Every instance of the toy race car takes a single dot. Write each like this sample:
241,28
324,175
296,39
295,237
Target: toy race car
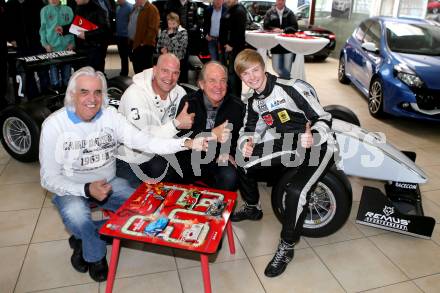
20,122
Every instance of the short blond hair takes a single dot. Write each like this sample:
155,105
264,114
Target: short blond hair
173,16
246,59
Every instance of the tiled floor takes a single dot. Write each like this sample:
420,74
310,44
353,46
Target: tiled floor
35,255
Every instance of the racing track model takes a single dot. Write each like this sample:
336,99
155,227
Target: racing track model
362,154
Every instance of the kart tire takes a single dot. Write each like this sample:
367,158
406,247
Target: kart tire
331,192
343,113
20,135
115,89
342,77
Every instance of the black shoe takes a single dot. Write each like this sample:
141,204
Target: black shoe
247,212
77,259
98,271
282,257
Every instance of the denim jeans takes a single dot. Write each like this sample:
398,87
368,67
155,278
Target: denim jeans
54,71
76,215
213,50
282,64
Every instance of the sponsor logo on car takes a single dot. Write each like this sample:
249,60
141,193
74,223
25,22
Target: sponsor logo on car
386,219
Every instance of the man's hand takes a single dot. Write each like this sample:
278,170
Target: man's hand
164,50
59,30
81,35
224,158
248,148
307,137
100,189
208,38
198,143
221,132
48,48
70,47
185,120
228,48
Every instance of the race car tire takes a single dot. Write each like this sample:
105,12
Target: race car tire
343,113
115,89
329,206
20,134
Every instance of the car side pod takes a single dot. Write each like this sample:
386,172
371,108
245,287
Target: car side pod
400,210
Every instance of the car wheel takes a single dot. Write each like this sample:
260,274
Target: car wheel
341,71
320,58
375,99
343,113
116,88
329,205
20,135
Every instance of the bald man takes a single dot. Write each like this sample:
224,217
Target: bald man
150,104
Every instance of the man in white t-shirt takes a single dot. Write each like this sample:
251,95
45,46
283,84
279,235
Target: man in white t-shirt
150,104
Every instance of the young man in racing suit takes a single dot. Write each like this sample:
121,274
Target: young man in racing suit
285,126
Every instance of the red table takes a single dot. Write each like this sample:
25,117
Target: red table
190,226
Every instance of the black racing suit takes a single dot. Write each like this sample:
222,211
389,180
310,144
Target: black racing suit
276,118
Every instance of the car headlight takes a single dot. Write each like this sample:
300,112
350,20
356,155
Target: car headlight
407,76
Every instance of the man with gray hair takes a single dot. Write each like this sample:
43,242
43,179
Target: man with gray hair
77,148
217,114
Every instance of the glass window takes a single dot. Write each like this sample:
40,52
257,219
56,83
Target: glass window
423,39
373,34
359,33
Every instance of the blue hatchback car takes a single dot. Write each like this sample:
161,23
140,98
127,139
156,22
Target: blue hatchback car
395,62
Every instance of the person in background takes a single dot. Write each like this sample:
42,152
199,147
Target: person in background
150,104
3,56
281,19
52,17
77,159
174,39
232,40
93,43
286,116
123,11
23,24
211,24
144,42
132,23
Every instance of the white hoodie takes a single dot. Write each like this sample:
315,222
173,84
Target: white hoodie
148,112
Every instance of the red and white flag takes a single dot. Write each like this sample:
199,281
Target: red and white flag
80,24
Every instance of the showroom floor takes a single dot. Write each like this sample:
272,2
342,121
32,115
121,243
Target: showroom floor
35,256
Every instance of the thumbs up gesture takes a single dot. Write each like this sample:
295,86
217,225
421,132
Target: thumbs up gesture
248,147
221,132
307,137
185,120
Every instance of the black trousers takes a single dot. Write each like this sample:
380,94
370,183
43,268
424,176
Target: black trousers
234,81
220,177
123,50
298,190
142,58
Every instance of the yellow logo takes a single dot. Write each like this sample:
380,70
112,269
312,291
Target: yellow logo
284,116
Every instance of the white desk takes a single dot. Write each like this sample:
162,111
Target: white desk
298,43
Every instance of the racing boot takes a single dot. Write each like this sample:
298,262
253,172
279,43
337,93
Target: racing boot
282,257
247,212
77,259
98,271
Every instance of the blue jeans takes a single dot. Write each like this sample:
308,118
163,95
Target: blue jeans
282,64
76,215
54,71
213,50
